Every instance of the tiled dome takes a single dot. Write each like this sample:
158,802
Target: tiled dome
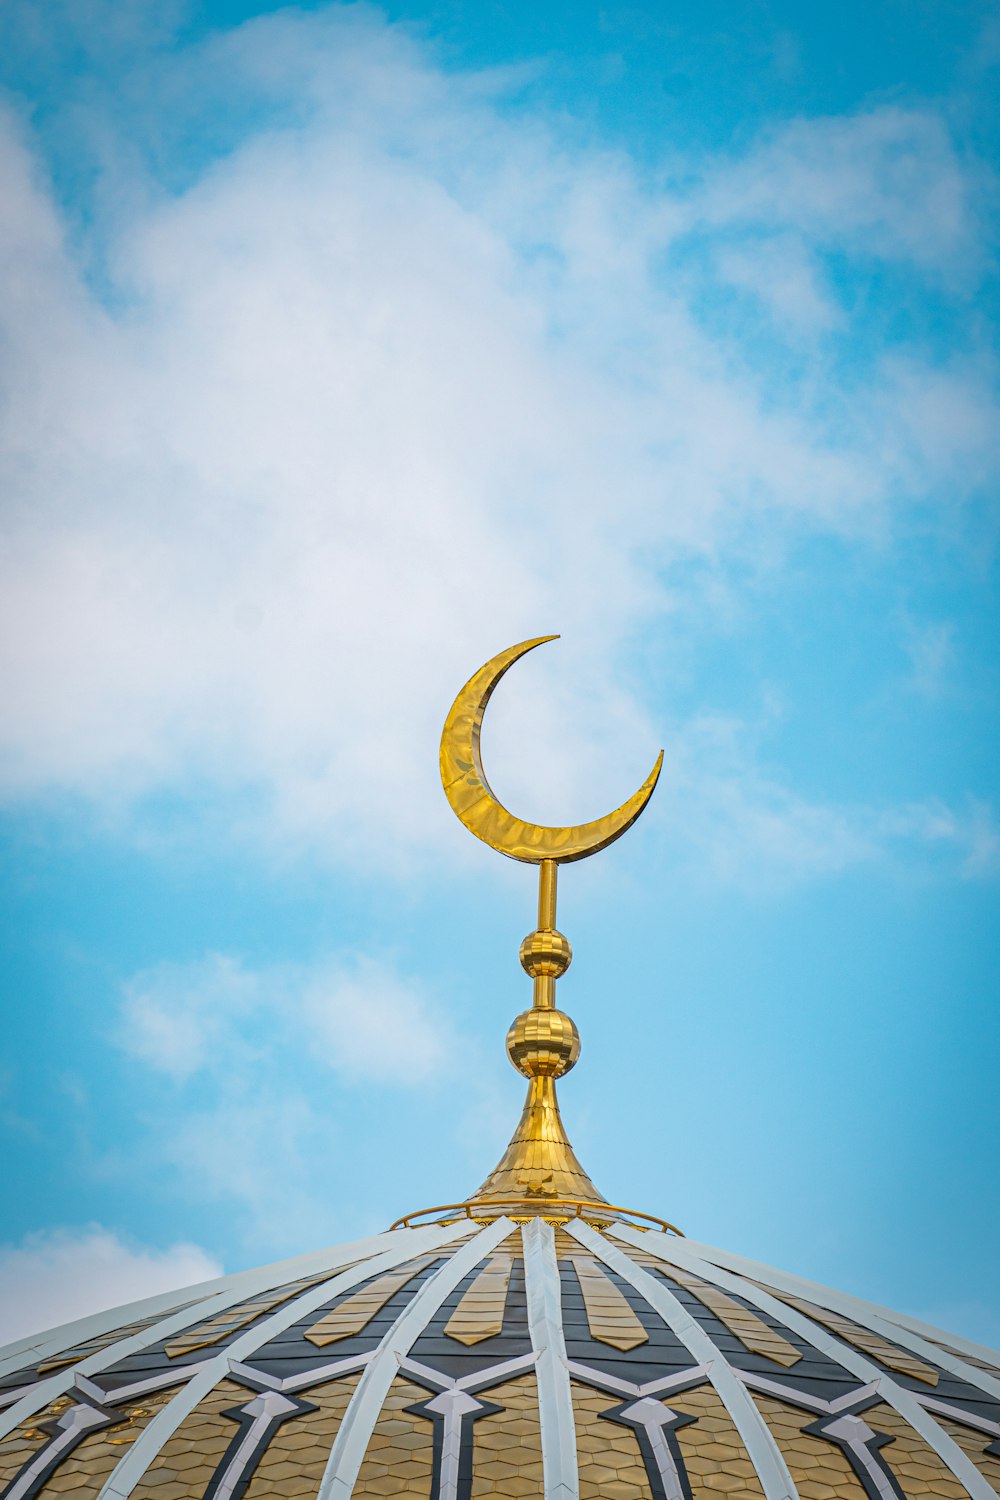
463,1360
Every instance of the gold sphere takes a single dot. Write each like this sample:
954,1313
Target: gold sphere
543,1043
545,954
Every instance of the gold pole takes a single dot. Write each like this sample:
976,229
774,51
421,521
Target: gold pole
544,987
548,872
543,1044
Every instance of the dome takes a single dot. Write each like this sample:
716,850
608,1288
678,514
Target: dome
532,1340
463,1359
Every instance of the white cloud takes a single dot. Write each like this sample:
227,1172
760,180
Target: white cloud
233,1058
886,181
396,381
369,1024
970,833
731,818
256,1149
58,1275
358,1017
777,270
930,646
175,1017
743,826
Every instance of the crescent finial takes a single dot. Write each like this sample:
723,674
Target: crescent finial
539,1173
474,802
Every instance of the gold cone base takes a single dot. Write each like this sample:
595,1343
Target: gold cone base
538,1176
539,1163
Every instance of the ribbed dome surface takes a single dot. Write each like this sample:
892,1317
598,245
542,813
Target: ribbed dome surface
463,1360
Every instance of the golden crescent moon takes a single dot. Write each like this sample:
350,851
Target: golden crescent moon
474,803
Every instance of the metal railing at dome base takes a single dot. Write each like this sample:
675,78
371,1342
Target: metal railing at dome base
522,1210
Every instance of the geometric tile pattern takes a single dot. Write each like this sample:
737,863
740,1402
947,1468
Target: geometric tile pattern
357,1310
21,1445
191,1456
205,1334
296,1456
85,1469
474,1408
610,1461
399,1457
508,1444
72,1354
715,1455
609,1316
820,1469
862,1338
100,1341
918,1468
479,1314
975,1444
970,1359
752,1332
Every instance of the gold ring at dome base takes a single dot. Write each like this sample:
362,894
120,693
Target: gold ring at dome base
522,1210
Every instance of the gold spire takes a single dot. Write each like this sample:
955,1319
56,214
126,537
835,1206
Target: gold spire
538,1174
543,1044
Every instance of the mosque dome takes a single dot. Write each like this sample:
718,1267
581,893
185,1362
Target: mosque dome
531,1340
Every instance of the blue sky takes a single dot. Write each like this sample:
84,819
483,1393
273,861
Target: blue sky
342,347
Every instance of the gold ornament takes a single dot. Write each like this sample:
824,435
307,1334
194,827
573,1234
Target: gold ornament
539,1172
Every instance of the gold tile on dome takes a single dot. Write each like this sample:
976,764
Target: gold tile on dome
819,1468
612,1320
507,1445
565,1245
203,1335
480,1313
356,1311
86,1467
184,1466
400,1455
974,1445
97,1343
609,1460
752,1332
294,1461
714,1454
922,1474
864,1339
21,1444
